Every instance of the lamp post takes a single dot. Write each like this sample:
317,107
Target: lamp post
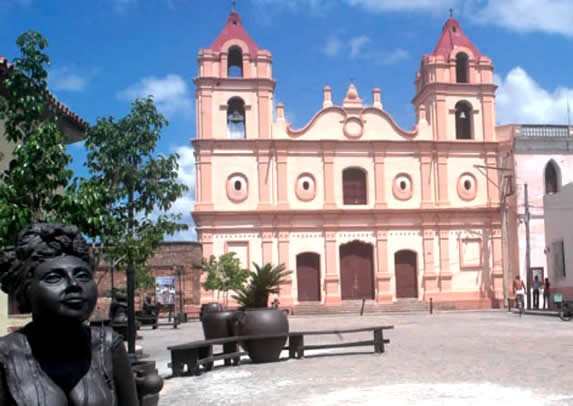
181,317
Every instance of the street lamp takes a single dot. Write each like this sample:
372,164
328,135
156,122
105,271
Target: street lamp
181,317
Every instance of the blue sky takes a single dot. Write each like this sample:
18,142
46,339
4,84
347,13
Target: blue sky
106,52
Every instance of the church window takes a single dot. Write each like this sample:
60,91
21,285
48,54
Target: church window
552,182
235,62
462,68
463,112
354,186
236,129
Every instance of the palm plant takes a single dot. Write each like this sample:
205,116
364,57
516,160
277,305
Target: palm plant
262,282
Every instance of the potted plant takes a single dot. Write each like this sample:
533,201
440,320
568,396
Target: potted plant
223,274
256,318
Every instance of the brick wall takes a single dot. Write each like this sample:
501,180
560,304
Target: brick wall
169,257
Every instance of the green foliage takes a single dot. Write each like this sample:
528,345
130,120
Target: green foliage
263,281
124,203
224,274
144,279
30,187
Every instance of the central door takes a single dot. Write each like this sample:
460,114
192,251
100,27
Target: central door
356,271
405,265
308,277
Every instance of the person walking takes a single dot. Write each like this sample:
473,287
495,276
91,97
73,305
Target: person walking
546,294
519,293
536,290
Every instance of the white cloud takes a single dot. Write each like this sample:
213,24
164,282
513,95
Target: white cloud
170,93
552,16
359,48
357,44
520,99
184,205
402,5
332,47
64,79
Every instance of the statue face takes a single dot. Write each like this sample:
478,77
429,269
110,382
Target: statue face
62,288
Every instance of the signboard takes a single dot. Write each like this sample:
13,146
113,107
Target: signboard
165,289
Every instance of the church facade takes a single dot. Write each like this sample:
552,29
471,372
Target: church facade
357,207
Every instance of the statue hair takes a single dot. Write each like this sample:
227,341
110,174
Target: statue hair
36,243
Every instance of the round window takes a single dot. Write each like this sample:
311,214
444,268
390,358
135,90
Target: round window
305,187
237,187
402,187
467,186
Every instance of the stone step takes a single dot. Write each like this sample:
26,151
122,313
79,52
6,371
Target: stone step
354,307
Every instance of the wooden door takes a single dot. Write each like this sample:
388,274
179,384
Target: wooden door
308,277
356,271
405,265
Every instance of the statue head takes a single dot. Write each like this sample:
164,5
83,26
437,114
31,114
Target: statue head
50,272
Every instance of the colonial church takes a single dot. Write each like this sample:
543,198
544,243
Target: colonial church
357,207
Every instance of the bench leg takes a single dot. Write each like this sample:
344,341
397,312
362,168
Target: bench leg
205,352
177,364
229,348
379,341
296,346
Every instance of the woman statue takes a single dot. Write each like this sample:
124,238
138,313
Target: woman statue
58,359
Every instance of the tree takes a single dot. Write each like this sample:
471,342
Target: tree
124,204
31,186
263,281
224,274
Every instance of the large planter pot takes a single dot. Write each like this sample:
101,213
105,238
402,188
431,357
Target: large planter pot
209,307
148,382
262,321
217,324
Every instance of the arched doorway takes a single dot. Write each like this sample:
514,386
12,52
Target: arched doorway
308,277
356,271
406,272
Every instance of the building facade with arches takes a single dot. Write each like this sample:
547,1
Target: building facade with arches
541,158
357,207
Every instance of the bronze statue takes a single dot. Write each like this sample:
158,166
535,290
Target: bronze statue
58,359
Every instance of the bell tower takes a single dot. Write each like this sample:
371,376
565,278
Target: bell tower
455,85
234,87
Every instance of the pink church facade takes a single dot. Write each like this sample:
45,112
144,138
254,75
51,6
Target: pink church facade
357,207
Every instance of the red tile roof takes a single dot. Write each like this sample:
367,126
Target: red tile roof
452,37
61,108
234,30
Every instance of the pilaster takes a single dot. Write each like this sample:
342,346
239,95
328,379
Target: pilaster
379,181
382,275
332,277
328,163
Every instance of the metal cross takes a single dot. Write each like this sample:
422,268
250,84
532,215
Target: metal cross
451,12
234,5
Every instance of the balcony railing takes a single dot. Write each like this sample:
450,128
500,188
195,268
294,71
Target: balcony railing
544,131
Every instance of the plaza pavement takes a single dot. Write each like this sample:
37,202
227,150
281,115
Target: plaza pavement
447,358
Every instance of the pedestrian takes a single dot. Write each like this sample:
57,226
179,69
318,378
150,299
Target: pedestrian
546,294
536,289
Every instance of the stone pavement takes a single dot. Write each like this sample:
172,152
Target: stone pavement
447,358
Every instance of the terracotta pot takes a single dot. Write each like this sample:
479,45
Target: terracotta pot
262,321
209,307
218,324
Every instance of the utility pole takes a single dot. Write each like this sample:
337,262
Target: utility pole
526,218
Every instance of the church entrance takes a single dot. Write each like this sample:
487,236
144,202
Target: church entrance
405,265
356,271
308,277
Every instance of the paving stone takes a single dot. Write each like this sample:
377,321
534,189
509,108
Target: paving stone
483,357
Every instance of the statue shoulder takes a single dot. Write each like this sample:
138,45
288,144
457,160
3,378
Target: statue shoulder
106,336
12,345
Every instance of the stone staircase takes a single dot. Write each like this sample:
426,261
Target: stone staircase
354,306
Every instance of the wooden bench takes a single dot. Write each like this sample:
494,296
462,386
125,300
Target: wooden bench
187,359
296,345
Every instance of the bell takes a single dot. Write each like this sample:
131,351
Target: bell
235,117
463,115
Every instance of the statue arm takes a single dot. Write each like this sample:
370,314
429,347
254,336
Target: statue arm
5,396
123,377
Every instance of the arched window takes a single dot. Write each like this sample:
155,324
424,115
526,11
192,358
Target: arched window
236,129
354,186
463,111
462,68
552,178
235,63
